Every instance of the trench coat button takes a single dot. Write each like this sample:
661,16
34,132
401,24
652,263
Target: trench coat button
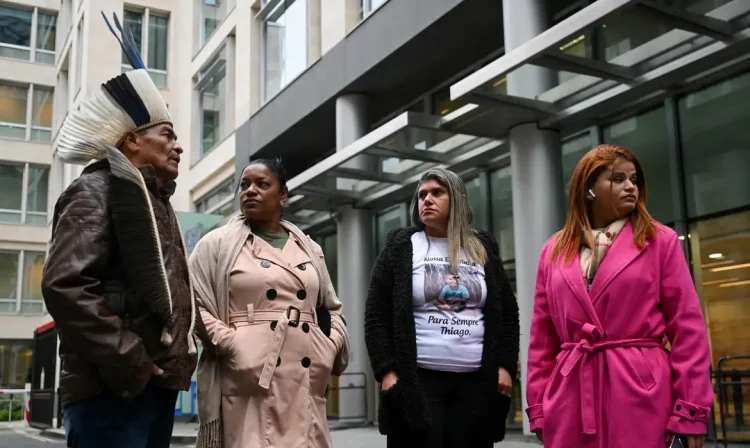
265,264
302,294
302,267
305,362
273,325
278,361
305,327
271,294
692,413
679,407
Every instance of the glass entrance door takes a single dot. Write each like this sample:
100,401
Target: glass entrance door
721,267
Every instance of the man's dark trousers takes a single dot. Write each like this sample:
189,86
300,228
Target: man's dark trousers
106,421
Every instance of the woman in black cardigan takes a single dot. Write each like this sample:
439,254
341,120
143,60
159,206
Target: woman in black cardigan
441,325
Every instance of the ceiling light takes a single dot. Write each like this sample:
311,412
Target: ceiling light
727,285
716,263
732,267
716,256
718,282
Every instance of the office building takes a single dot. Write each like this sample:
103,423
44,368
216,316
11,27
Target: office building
510,95
27,85
361,96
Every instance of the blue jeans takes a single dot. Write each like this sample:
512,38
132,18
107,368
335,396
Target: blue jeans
107,421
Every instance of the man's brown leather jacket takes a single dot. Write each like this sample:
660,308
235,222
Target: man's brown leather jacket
115,278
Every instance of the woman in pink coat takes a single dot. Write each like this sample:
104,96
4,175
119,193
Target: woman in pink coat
600,374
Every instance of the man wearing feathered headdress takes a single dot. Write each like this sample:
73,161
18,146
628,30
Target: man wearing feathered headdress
116,279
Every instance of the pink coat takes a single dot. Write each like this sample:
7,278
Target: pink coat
599,375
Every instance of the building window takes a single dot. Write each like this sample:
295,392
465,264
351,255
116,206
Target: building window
501,191
219,201
16,362
79,58
390,219
720,250
285,45
213,12
646,136
25,189
23,119
21,277
32,301
715,146
367,7
213,110
46,33
151,36
573,150
19,39
476,193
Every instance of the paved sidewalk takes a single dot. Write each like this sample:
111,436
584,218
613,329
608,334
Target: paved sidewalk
369,437
343,437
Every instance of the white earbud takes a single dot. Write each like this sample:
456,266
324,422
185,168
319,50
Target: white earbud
591,194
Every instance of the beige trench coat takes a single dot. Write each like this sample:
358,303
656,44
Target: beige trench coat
275,361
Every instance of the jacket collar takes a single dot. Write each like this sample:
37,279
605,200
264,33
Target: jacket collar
149,176
121,167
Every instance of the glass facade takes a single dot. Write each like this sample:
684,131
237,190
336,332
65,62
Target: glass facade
476,192
711,150
387,220
646,136
715,142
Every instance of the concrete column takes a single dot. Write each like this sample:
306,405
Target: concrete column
536,164
355,257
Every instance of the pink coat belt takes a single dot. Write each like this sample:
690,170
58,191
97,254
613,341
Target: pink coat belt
284,319
583,352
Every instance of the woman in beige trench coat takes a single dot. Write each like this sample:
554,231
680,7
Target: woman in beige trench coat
272,326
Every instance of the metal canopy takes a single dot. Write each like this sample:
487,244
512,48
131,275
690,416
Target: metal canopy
472,137
697,44
395,154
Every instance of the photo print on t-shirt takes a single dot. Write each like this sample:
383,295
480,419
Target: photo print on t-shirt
446,291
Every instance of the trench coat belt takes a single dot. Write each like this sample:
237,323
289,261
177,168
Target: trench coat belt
584,353
284,319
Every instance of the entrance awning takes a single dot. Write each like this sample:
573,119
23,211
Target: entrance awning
386,164
697,46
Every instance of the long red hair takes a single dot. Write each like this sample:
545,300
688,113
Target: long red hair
569,240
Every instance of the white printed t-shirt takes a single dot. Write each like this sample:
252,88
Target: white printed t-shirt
448,312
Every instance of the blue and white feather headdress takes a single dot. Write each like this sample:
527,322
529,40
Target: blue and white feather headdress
126,103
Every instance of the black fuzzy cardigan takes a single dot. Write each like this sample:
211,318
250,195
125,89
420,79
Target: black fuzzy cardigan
390,336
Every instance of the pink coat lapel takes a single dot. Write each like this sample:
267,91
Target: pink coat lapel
574,278
623,252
